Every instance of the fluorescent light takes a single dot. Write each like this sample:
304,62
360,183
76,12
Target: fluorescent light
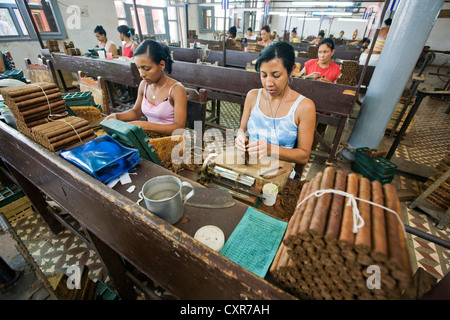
329,13
321,3
352,20
297,15
283,14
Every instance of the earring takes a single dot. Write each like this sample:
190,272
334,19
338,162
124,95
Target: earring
290,80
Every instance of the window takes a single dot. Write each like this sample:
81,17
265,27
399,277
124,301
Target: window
207,19
157,19
15,23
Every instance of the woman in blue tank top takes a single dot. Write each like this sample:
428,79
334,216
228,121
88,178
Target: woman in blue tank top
279,121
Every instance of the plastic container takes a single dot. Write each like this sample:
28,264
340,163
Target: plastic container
211,236
9,194
270,192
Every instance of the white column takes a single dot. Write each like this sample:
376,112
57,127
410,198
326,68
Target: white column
410,28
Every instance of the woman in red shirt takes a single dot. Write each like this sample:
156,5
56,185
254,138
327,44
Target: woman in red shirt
129,47
323,68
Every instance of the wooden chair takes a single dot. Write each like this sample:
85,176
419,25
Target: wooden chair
98,89
40,72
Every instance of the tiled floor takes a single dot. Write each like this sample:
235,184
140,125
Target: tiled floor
426,143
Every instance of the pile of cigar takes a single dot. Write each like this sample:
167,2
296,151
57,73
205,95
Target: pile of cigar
349,69
40,114
321,257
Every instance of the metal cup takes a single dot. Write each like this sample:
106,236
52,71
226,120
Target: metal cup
163,196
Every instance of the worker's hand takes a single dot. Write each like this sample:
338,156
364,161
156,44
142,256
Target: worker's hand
313,75
240,140
323,79
260,148
111,116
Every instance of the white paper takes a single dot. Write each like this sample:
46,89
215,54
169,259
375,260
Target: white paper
131,189
113,182
125,178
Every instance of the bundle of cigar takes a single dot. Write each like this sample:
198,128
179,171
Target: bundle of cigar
322,258
40,114
349,69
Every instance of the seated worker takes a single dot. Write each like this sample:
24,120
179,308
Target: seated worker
362,44
104,43
129,46
280,122
322,68
232,44
161,99
249,34
319,38
265,36
375,56
294,38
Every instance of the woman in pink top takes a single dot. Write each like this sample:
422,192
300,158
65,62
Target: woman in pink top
161,99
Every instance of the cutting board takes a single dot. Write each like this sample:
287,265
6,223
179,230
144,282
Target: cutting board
231,159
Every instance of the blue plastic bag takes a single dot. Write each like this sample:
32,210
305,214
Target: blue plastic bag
103,158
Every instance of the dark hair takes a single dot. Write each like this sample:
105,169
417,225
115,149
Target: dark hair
267,28
126,31
156,51
365,40
322,33
328,41
250,29
388,21
282,50
232,31
100,30
294,30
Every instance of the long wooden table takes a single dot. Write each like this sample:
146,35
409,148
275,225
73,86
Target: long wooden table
240,59
116,227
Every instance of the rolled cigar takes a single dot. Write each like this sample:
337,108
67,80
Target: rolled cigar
296,216
57,124
76,138
35,123
395,260
45,113
68,134
35,95
306,219
346,235
67,127
335,216
44,107
40,100
379,251
400,257
363,239
274,265
320,214
294,238
27,89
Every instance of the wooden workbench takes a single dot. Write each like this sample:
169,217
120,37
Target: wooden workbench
116,227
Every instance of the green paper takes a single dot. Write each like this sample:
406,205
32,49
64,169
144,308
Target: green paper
255,241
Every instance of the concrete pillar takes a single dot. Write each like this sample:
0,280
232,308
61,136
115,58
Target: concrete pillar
408,33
